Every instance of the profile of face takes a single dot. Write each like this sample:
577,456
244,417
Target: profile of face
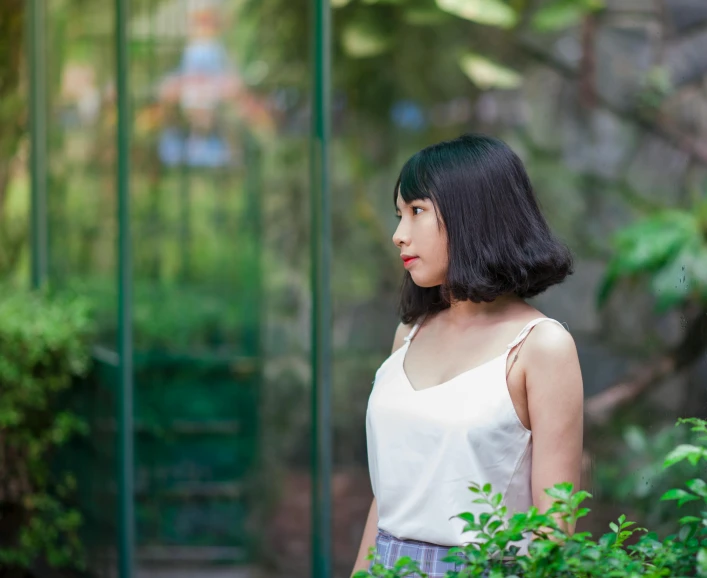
422,240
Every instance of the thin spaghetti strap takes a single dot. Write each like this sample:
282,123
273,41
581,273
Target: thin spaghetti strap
414,330
527,329
521,338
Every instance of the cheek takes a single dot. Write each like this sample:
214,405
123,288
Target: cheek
438,244
434,257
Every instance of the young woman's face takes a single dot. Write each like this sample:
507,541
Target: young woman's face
422,241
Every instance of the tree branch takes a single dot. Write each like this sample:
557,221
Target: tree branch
599,408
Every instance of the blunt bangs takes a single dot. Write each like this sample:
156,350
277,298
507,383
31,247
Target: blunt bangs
499,243
413,183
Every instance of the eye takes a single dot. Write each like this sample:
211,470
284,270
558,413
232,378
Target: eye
416,209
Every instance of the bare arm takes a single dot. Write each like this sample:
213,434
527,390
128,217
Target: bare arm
371,529
368,540
555,402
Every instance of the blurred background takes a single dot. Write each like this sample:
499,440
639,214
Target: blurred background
604,100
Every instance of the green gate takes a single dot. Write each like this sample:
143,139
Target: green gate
172,403
122,157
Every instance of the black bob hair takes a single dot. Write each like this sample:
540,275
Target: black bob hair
499,243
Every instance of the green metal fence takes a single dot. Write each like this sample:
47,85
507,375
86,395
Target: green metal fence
169,249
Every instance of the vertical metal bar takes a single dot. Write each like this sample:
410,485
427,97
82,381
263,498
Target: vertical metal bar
185,210
321,306
37,58
253,227
125,333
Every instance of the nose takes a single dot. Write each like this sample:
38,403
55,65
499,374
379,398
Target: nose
402,234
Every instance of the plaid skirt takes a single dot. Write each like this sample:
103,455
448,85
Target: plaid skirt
390,549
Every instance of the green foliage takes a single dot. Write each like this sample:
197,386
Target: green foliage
669,248
486,74
13,126
632,473
43,347
388,50
560,14
656,87
489,12
365,36
626,551
171,317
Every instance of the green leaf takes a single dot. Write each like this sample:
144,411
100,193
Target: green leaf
582,512
562,491
493,526
402,562
543,547
684,452
681,496
561,14
487,74
467,517
579,497
698,487
670,285
698,425
426,16
364,39
650,243
702,562
692,272
489,12
635,438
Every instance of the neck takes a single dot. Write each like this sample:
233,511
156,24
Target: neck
463,311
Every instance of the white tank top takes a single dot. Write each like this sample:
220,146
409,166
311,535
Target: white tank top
425,446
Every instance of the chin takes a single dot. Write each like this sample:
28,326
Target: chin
424,281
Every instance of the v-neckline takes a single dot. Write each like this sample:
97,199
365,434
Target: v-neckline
410,386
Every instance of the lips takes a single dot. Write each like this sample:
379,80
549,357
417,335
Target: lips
408,260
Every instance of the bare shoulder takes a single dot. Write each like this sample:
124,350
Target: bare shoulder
550,355
551,341
400,334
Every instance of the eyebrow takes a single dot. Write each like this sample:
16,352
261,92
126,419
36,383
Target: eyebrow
405,203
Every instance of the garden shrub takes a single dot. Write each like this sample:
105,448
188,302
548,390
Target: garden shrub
193,318
632,474
626,551
43,349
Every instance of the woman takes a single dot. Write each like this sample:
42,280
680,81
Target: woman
480,386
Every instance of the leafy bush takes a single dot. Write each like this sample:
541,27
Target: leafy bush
632,473
670,248
624,552
172,317
43,347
